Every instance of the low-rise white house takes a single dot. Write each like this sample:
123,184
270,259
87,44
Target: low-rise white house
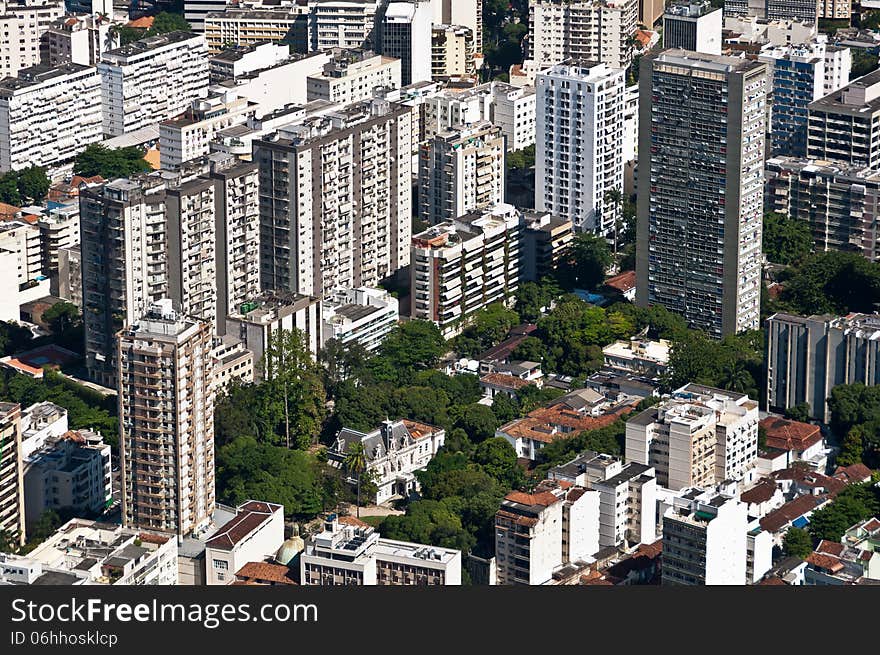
254,535
393,453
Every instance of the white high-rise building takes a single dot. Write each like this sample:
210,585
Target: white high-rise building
537,533
452,51
705,540
343,24
166,421
700,436
588,30
352,76
151,80
250,27
403,33
336,198
23,24
48,116
579,143
460,266
80,40
693,25
468,13
195,11
461,170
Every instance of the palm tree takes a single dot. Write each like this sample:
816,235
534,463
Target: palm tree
356,462
614,199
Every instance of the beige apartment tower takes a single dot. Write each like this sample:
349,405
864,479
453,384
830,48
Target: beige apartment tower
166,422
11,481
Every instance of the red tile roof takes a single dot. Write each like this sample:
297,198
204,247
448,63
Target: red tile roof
811,479
760,493
352,520
779,518
854,473
250,516
830,548
420,430
544,498
153,538
144,22
784,434
827,562
772,581
622,282
265,572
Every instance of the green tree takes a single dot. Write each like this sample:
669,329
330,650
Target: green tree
33,183
413,345
487,327
356,464
248,469
14,338
479,422
797,543
8,541
584,262
296,380
64,320
169,22
110,163
855,503
833,283
786,240
498,458
852,449
9,192
799,412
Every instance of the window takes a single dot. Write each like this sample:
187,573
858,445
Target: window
223,565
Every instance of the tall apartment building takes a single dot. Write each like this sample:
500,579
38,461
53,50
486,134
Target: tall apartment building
336,199
838,65
579,143
627,496
48,116
123,245
467,14
536,534
21,240
514,110
350,552
845,125
69,471
166,422
23,24
190,236
11,474
189,136
80,40
704,540
700,436
807,356
588,30
352,76
151,80
452,51
403,32
59,230
700,188
254,322
840,202
343,24
797,78
459,266
461,170
694,26
249,27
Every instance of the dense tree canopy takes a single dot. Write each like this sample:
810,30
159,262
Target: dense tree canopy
584,262
855,419
855,503
786,240
833,283
797,543
110,163
29,185
487,328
